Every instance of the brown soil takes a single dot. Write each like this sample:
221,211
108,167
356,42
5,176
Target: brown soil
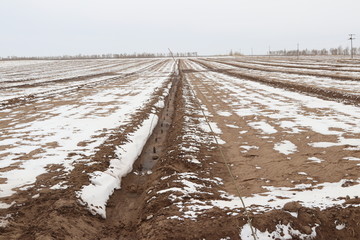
145,208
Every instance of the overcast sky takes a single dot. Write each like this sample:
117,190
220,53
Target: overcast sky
58,27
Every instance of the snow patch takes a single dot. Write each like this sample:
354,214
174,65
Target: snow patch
352,158
224,114
323,195
282,232
205,127
263,126
340,226
285,147
315,159
232,126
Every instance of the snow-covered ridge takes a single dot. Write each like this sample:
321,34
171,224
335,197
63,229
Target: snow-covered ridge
97,193
103,184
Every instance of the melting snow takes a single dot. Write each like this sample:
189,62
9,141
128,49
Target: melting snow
315,159
282,232
340,226
323,195
205,127
285,147
232,126
263,126
224,114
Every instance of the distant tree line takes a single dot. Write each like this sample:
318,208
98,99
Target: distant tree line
235,53
315,52
104,56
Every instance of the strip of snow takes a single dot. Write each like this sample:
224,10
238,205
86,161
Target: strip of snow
263,126
192,159
5,205
96,194
247,148
352,158
315,159
341,141
224,113
205,127
323,195
232,126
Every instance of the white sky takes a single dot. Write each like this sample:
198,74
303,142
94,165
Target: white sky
57,27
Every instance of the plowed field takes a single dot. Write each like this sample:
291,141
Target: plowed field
200,148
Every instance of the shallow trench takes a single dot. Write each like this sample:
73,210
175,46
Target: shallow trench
125,205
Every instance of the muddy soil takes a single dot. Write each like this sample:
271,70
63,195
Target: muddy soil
157,200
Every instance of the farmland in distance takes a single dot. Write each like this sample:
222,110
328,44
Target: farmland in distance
160,149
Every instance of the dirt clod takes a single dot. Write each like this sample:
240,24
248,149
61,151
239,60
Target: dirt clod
292,206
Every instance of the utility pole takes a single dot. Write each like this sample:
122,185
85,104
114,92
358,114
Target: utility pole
269,52
351,40
172,55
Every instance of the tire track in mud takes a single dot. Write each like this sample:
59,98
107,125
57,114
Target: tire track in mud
312,91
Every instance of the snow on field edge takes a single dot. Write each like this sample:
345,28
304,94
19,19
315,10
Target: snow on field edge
96,194
281,232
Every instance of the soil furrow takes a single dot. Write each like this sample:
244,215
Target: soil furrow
306,67
322,93
34,97
342,77
125,206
